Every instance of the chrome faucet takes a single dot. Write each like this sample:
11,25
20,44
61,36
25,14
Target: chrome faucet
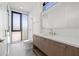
52,32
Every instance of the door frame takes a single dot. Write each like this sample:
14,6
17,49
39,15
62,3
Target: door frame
20,23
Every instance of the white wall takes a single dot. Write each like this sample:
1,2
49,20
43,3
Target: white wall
3,27
3,19
36,14
34,19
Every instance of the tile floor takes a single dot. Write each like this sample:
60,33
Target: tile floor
20,49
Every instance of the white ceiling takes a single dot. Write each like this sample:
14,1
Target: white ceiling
22,6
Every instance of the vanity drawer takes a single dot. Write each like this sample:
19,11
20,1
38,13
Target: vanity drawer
50,47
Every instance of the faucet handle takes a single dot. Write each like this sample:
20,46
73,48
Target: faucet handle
54,33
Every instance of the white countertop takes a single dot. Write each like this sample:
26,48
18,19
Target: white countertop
62,39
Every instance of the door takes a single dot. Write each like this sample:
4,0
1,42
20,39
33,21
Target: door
16,26
24,27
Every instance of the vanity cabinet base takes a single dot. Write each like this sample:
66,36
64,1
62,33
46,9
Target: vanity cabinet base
46,47
37,51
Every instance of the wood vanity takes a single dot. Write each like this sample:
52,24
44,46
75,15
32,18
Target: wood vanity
46,47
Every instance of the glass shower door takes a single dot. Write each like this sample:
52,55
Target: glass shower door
24,27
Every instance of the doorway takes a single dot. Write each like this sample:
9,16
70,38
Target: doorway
19,26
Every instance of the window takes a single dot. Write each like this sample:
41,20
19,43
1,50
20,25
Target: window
47,5
16,21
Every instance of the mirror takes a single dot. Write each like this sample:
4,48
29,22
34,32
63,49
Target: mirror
63,18
63,15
